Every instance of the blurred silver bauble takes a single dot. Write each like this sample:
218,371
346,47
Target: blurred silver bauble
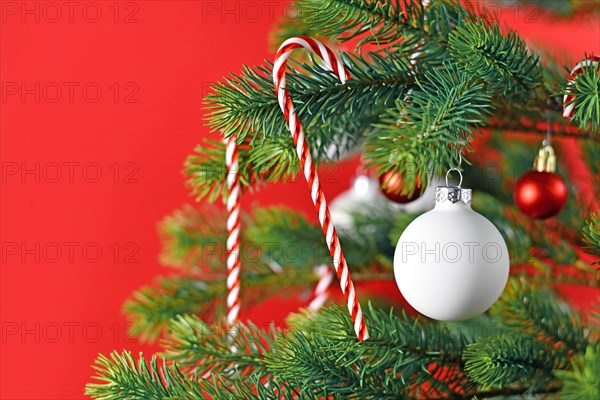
360,198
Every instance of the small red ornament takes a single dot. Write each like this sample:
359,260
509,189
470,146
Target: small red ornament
541,193
392,185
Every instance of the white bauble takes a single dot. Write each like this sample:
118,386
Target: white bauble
361,197
451,263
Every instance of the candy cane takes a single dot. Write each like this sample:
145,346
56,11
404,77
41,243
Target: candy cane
233,230
321,291
568,104
330,62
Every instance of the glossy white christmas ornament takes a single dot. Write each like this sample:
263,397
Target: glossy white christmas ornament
451,263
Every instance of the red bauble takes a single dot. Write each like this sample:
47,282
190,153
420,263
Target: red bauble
540,194
392,184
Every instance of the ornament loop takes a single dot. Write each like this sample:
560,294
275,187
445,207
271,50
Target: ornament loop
459,174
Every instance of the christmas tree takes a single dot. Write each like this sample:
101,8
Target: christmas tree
431,84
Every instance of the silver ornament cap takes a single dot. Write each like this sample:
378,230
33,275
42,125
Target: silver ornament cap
452,194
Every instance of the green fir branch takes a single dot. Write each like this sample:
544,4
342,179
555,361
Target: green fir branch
548,104
407,26
373,21
272,238
150,308
320,357
394,363
122,378
264,161
319,369
245,105
249,388
508,360
582,381
537,312
427,132
502,61
193,238
288,238
331,113
202,349
591,235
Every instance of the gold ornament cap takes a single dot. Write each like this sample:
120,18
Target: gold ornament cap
545,160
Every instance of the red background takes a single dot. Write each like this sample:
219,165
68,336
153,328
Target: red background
153,62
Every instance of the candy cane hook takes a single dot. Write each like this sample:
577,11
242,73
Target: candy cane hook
331,62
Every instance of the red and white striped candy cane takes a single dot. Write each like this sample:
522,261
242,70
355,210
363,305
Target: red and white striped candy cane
233,230
321,292
569,109
330,62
